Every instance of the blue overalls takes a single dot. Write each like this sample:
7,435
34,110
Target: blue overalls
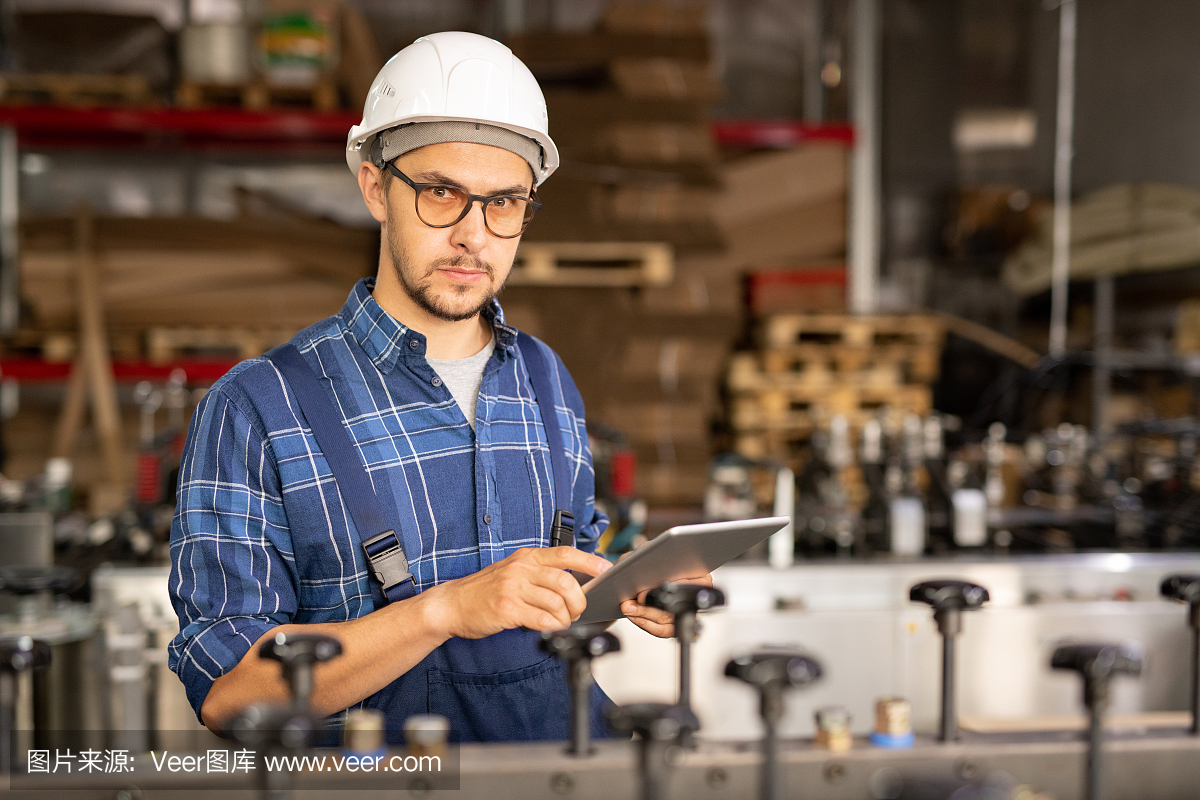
500,688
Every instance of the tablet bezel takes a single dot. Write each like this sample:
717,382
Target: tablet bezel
679,552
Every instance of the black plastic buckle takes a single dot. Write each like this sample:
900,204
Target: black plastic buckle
390,565
562,532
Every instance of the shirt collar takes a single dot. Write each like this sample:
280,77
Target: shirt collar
385,340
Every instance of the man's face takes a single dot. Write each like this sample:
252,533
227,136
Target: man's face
452,273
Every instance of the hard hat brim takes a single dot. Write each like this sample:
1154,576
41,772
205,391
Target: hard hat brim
358,145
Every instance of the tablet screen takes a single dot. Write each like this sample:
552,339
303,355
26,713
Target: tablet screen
686,551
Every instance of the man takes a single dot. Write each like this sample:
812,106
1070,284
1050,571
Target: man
436,396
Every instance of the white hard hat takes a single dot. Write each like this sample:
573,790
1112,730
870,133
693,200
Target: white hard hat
455,77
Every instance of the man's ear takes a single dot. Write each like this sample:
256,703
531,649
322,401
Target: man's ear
370,183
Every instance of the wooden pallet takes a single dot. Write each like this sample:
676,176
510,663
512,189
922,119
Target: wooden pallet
789,330
75,90
608,264
323,96
799,410
821,366
784,447
164,345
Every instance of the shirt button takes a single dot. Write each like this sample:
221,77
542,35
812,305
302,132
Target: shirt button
487,519
414,344
436,381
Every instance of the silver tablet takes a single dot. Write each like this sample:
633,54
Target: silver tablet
681,552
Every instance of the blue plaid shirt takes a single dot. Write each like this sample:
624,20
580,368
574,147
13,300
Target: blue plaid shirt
261,536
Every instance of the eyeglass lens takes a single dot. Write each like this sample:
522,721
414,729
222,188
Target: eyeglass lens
444,205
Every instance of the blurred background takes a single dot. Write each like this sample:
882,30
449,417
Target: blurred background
826,258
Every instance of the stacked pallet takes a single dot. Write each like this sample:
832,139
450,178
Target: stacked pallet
781,216
180,287
74,90
665,406
812,367
628,106
653,378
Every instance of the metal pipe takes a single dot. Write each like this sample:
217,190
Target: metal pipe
770,768
1195,620
1102,343
686,632
1093,775
8,719
9,236
865,183
1063,138
301,677
948,732
653,767
772,712
579,679
814,45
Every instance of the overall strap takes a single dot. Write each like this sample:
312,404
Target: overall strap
386,560
543,392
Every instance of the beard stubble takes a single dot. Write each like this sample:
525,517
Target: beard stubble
419,288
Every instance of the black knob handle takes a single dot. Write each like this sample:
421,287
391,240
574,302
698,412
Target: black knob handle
24,579
1182,587
949,594
300,649
299,653
682,598
781,669
654,722
580,641
1098,662
263,726
23,653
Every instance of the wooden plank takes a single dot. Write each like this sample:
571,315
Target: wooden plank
666,78
75,89
605,264
561,52
360,59
164,345
782,446
787,330
993,340
762,185
257,95
800,409
94,353
70,419
1187,327
664,422
827,365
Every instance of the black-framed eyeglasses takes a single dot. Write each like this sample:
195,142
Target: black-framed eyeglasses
440,205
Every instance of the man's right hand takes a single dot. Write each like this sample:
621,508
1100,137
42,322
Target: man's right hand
530,588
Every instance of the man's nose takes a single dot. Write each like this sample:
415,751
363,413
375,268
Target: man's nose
471,232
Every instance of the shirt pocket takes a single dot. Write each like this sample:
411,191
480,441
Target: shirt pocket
523,495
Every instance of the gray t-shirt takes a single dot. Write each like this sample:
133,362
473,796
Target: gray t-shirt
463,377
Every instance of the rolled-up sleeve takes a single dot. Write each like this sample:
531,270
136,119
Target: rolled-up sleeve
232,566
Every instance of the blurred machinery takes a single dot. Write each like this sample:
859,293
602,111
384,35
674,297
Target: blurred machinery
1154,760
911,485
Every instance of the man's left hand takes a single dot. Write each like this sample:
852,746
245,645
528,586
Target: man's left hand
652,620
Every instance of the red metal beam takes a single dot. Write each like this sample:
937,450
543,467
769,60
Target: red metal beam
53,126
35,370
778,132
